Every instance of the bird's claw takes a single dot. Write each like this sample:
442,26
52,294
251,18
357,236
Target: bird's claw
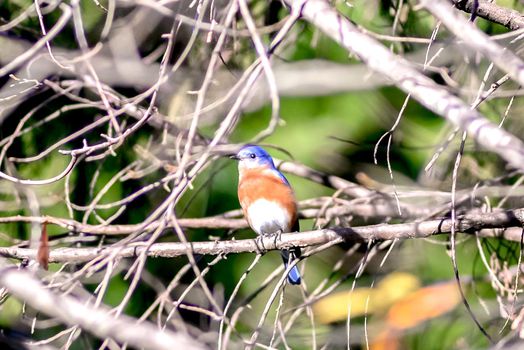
277,237
259,243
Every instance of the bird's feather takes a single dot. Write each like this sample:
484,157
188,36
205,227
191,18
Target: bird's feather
255,186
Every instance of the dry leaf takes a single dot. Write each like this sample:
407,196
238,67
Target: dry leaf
422,305
42,255
335,307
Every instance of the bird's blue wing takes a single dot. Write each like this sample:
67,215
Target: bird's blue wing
281,176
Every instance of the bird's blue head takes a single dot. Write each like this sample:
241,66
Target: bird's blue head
251,156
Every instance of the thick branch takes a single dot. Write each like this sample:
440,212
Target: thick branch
490,11
97,321
405,76
468,223
476,39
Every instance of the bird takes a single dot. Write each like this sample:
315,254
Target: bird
267,200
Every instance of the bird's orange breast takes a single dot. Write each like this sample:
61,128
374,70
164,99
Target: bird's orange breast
257,184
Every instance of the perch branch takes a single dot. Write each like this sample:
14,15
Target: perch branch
469,223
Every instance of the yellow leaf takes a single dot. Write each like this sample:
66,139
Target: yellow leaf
363,301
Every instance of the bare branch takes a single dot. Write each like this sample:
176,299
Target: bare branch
98,321
56,178
492,12
468,223
406,77
477,40
66,14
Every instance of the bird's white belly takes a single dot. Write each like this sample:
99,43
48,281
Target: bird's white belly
266,217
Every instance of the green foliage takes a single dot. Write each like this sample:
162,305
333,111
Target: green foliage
10,310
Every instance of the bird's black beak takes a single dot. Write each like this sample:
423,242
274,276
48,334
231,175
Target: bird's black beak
234,156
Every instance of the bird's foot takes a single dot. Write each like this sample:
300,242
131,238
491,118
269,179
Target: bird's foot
259,243
276,236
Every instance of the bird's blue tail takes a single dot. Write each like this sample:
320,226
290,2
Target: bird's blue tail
293,276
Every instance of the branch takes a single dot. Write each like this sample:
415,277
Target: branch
327,180
477,40
54,179
469,223
27,55
406,77
310,209
302,78
76,226
490,11
227,220
97,321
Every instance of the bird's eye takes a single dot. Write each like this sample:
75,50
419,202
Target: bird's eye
252,155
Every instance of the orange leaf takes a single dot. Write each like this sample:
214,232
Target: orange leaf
422,305
386,340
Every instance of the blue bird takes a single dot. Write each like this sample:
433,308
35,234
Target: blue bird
267,199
